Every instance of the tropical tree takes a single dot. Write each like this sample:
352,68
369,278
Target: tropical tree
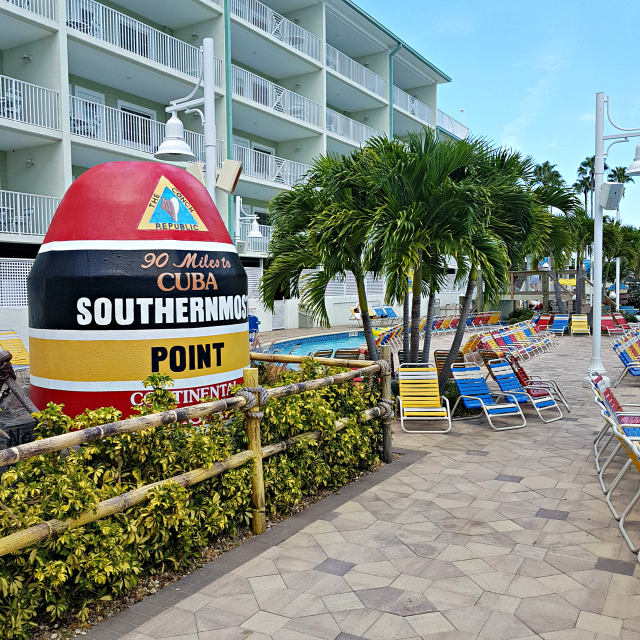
431,200
546,174
587,170
581,225
583,186
323,225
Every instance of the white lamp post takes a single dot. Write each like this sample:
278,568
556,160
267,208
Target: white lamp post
174,148
254,232
596,365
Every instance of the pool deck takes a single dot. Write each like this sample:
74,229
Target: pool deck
287,334
471,534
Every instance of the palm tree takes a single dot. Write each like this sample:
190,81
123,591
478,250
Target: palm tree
582,231
322,225
587,170
583,186
547,174
431,198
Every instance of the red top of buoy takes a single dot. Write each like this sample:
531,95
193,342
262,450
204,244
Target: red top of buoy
137,201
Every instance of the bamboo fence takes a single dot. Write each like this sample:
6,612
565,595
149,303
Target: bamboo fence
44,530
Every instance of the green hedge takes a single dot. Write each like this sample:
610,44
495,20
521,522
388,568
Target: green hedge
105,559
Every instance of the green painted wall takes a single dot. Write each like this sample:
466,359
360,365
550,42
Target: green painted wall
250,136
76,171
136,16
3,170
111,96
1,64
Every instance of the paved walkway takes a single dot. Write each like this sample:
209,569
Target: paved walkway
473,534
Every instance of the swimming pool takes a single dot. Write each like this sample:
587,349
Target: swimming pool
311,344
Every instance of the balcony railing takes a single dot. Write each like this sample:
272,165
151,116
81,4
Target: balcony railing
252,87
44,8
356,72
413,106
259,245
267,20
264,166
26,214
450,124
350,129
106,124
28,103
115,28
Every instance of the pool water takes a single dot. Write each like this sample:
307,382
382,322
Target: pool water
306,346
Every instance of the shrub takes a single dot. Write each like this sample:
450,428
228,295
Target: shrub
70,571
520,314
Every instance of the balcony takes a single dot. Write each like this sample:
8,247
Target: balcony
28,115
272,100
413,106
354,71
451,126
268,21
138,58
25,214
28,103
356,132
100,123
264,166
256,245
42,8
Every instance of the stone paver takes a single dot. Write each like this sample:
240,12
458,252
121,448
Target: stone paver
472,534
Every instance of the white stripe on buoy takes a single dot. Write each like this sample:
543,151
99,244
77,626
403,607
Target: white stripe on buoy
131,245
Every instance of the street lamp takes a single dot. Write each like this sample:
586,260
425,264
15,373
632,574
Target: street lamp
254,232
596,365
174,147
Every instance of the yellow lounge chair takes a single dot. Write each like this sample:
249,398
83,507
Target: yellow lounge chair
9,341
579,325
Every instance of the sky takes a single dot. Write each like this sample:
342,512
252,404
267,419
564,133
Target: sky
527,73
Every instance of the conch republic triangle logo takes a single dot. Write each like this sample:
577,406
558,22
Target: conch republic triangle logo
168,209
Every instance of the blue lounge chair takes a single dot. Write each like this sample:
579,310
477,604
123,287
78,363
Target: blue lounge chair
504,375
391,314
475,394
380,312
560,324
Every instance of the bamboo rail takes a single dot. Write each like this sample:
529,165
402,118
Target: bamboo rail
331,362
44,530
130,425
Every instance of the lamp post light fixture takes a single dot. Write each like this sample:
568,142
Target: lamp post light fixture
596,366
254,232
174,147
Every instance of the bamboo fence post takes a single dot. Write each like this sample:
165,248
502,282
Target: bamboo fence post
259,522
385,354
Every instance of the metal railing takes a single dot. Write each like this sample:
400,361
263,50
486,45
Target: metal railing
28,103
256,89
258,245
265,166
44,8
348,128
450,124
115,126
25,213
267,20
413,106
356,72
115,28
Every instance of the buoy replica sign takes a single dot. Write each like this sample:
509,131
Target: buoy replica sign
137,275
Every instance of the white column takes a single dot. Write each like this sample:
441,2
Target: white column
596,365
210,155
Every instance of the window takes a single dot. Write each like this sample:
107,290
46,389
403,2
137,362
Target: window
136,127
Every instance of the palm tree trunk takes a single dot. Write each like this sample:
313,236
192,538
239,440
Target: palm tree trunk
426,347
415,312
556,287
366,320
406,311
579,283
457,340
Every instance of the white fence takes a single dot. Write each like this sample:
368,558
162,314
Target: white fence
13,282
356,72
348,128
25,213
256,89
412,105
28,103
450,124
267,20
44,8
264,166
260,245
119,30
196,142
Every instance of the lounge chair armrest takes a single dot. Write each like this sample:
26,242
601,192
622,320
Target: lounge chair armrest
473,398
506,395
